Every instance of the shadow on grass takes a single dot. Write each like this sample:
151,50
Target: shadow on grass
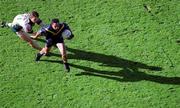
129,73
108,60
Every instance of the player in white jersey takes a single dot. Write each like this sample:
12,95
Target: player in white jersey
22,26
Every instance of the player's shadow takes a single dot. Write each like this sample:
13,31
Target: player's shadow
108,60
130,70
127,75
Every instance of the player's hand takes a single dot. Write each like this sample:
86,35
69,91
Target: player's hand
33,37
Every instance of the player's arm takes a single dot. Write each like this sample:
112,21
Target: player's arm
40,22
41,32
27,28
36,35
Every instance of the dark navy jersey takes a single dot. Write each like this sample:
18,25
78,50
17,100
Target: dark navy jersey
49,32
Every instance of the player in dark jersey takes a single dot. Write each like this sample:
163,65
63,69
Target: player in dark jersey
55,34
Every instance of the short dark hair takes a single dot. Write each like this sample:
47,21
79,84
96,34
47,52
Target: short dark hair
55,20
35,14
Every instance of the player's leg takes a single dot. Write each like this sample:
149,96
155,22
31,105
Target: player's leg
45,50
4,24
41,53
10,25
24,36
62,50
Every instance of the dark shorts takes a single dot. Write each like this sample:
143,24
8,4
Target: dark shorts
50,42
16,28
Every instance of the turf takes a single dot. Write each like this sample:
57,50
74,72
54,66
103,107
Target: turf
125,54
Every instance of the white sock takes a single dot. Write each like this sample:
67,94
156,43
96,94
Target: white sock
9,24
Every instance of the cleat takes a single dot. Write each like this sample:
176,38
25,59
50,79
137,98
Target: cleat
178,41
3,24
38,56
66,67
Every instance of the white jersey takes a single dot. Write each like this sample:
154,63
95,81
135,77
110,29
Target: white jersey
24,21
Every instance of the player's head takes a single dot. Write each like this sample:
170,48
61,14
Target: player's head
34,16
55,24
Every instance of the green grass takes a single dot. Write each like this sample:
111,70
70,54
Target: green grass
122,56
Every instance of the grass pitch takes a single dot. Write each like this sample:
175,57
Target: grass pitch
125,54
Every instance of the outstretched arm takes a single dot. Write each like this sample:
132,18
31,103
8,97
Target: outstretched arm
36,35
40,22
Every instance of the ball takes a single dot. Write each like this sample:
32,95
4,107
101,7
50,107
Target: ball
66,34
